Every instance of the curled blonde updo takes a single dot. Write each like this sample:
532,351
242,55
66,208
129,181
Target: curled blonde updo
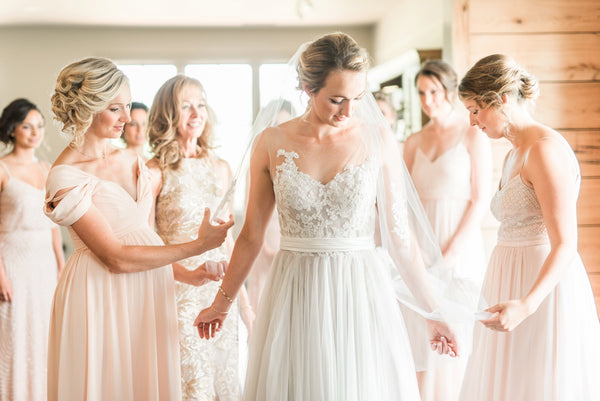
163,120
84,89
332,52
494,76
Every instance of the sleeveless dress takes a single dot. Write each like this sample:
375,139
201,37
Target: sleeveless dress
328,327
112,336
444,187
209,368
554,354
30,265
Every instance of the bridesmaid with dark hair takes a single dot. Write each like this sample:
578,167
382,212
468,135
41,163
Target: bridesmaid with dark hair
31,256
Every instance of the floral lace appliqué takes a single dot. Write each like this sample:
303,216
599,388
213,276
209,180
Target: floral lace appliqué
342,208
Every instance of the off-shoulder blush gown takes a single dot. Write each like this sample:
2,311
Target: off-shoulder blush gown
112,336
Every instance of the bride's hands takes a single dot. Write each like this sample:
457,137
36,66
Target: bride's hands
209,322
443,340
211,236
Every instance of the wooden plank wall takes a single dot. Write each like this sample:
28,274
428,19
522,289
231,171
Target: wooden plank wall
559,42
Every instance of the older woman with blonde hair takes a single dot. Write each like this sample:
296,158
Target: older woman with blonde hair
113,330
188,177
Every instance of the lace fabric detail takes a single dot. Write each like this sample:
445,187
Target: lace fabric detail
518,210
208,368
342,208
400,213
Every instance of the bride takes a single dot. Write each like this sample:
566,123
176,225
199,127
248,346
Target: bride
328,325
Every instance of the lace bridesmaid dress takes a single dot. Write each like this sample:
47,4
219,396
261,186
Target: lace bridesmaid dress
209,368
30,265
554,354
112,336
328,327
444,187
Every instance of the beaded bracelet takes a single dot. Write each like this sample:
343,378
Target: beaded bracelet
225,295
216,311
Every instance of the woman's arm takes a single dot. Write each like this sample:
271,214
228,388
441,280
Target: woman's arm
246,311
95,232
480,151
261,201
156,185
409,149
57,245
556,190
6,291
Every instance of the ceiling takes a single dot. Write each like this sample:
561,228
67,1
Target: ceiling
193,13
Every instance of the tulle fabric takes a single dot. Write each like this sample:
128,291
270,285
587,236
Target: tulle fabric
444,187
328,326
554,354
331,314
422,282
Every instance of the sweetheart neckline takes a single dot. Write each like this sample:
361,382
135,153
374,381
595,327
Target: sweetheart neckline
349,167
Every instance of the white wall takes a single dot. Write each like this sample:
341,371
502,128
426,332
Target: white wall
411,24
31,57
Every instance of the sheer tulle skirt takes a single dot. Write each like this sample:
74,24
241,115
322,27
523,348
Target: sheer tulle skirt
554,354
329,328
442,376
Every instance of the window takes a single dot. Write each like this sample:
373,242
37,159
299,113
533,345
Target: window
272,77
228,90
145,79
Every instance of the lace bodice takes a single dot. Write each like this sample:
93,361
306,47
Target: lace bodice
342,208
516,207
184,195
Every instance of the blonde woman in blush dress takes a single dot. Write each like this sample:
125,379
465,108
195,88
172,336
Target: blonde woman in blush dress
187,178
31,256
540,340
113,330
450,164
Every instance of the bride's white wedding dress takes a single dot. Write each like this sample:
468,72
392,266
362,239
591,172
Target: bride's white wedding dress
328,325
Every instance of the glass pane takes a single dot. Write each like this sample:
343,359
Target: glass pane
271,77
145,79
229,93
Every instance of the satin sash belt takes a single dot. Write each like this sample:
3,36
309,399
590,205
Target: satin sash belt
326,244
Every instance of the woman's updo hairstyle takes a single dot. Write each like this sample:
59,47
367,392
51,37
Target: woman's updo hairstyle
84,89
494,76
12,115
442,72
332,52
